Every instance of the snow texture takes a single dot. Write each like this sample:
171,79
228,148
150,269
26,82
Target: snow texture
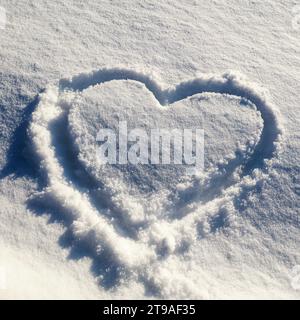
70,228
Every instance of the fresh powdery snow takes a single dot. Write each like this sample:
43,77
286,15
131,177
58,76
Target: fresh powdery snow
97,96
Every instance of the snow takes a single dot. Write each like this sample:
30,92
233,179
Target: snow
72,229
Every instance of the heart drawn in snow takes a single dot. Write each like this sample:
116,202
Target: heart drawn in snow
139,211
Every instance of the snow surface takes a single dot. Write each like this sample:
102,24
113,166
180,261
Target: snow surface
71,229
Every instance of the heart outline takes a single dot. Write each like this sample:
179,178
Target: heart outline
94,228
